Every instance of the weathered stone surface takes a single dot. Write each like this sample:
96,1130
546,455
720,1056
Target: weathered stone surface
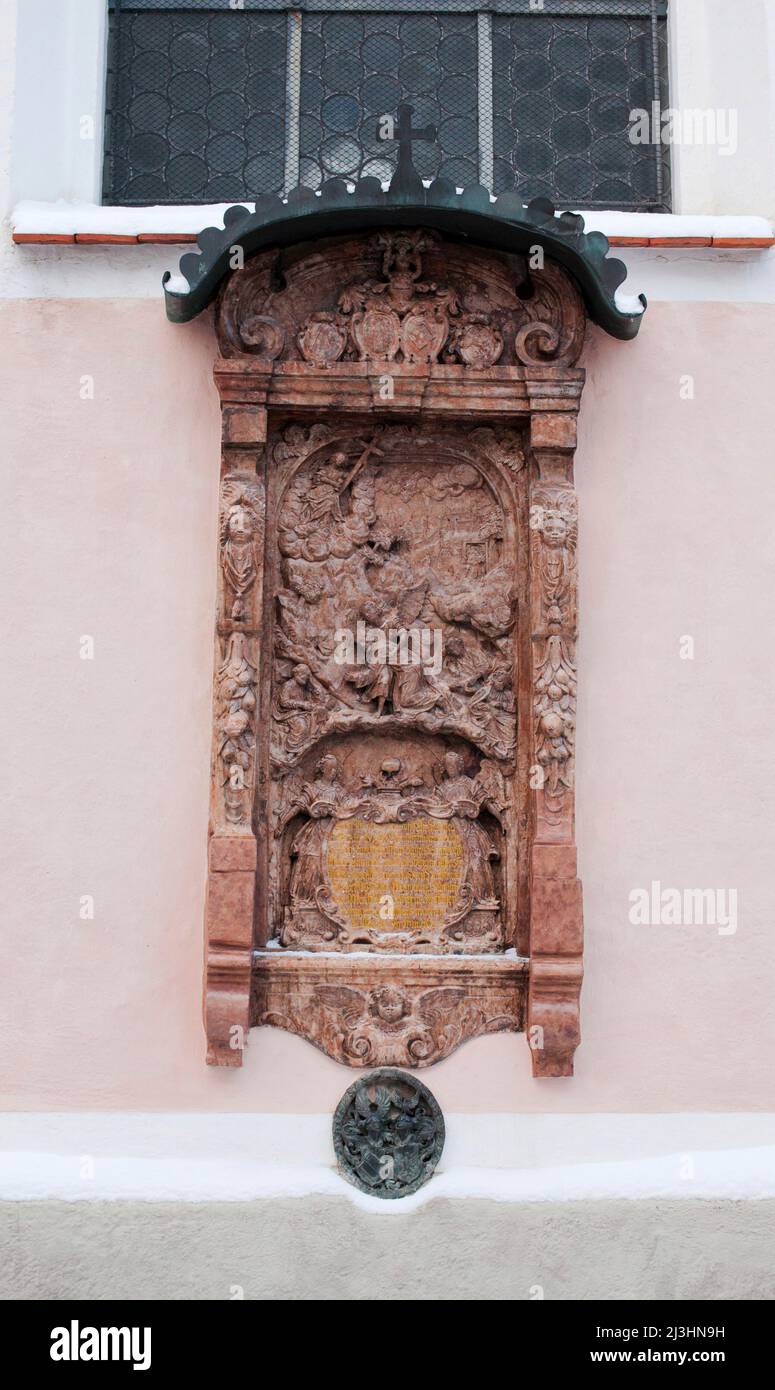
399,426
388,1011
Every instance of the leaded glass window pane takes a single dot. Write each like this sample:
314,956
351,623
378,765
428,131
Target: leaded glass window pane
196,106
563,90
356,67
209,103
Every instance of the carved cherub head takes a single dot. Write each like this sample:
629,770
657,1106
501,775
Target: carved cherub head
388,1004
557,520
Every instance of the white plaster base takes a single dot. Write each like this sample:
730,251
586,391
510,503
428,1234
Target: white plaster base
325,1248
194,1157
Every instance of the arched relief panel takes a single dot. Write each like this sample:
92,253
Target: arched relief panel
392,859
398,535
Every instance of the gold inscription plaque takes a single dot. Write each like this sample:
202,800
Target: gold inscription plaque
413,868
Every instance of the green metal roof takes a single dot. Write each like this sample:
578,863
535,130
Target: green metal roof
469,215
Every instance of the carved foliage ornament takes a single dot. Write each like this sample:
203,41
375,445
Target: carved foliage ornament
235,714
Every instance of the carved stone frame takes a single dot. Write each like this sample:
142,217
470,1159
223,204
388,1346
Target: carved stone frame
538,990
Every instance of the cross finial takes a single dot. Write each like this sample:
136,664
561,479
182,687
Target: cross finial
406,178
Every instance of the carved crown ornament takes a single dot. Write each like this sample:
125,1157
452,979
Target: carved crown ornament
392,862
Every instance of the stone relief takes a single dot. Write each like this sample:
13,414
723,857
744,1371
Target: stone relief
554,514
391,1024
430,883
396,855
414,299
383,536
242,539
235,687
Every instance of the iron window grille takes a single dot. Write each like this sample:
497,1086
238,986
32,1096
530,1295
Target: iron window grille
212,101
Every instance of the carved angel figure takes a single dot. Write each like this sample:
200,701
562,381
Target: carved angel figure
388,1026
314,524
556,519
322,801
241,534
460,798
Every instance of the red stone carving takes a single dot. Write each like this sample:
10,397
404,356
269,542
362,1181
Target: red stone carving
388,1013
398,435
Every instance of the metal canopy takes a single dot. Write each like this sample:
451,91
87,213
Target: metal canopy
469,215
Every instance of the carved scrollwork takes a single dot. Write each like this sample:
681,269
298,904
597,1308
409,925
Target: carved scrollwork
413,301
390,1024
556,321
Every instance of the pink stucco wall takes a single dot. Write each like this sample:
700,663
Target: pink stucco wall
109,518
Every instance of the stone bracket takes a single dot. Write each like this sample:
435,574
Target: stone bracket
388,1010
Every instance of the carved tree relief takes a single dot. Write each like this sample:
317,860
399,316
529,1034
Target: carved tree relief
392,860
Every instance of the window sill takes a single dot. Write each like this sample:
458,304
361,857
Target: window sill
87,224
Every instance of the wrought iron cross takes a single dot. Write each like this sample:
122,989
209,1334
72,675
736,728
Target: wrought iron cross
406,176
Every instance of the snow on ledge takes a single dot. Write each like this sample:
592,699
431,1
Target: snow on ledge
628,303
71,219
744,1174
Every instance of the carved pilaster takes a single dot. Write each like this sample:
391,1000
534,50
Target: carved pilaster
232,862
556,923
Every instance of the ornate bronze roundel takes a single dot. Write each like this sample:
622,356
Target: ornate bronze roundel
388,1133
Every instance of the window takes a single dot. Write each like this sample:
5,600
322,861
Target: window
209,103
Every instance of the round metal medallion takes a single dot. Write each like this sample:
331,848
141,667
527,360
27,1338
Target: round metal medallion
388,1133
